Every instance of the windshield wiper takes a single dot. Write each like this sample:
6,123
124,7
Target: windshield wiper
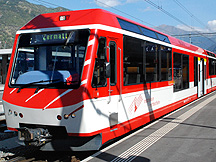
69,37
32,83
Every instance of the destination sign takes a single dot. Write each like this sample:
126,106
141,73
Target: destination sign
49,38
54,37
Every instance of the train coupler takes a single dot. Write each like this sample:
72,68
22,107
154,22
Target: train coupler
34,137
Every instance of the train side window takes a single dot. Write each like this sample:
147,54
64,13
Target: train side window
146,61
113,66
181,71
166,63
99,74
133,61
152,62
195,71
185,71
148,33
129,26
212,67
177,60
163,38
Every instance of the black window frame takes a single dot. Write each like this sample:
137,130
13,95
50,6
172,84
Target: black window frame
163,38
148,33
126,25
129,26
102,65
113,65
195,71
181,76
133,73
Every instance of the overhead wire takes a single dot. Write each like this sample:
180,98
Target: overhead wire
131,16
177,19
154,5
52,4
122,12
190,14
196,35
44,2
195,18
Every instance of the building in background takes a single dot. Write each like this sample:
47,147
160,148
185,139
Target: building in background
4,63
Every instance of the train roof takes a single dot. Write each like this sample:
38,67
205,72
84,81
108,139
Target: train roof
74,18
92,17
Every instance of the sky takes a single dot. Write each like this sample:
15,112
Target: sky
199,15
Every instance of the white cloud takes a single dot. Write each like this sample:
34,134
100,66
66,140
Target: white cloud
131,1
108,3
113,3
212,25
146,9
192,28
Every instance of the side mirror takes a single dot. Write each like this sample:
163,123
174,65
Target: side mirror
108,73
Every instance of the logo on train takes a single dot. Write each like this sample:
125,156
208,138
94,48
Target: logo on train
135,104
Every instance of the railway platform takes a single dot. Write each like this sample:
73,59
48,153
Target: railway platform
187,134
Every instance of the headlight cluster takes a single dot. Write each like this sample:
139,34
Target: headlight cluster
59,117
10,112
73,115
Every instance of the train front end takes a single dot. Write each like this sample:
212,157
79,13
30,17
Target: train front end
43,96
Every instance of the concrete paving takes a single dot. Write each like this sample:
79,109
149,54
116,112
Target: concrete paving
188,134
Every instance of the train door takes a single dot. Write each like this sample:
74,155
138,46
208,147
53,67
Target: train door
106,74
113,80
201,77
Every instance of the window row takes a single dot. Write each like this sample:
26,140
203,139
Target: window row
143,31
145,62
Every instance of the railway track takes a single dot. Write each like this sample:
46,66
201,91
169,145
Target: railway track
39,156
31,155
28,154
24,159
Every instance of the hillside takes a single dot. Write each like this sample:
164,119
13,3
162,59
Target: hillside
14,14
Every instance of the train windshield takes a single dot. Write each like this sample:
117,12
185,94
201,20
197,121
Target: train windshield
53,59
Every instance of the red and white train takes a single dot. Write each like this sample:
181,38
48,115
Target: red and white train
78,79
